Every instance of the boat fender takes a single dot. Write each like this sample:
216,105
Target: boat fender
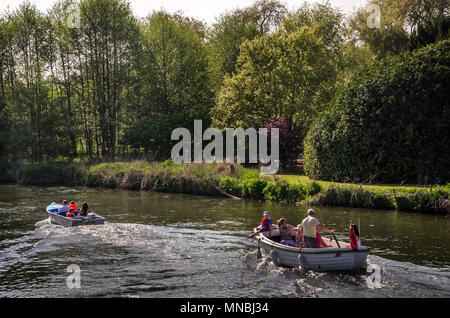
258,253
302,262
275,258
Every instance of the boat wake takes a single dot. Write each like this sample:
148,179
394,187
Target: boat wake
396,279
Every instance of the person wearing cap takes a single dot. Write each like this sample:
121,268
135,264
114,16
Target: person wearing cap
266,223
309,227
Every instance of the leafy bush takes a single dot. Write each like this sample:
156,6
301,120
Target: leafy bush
231,185
253,188
312,188
422,201
282,191
391,124
51,174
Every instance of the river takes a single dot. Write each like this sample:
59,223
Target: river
172,245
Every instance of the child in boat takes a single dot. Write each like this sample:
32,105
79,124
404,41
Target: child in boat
70,213
299,236
266,223
73,206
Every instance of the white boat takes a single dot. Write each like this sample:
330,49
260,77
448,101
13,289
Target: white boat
316,259
90,219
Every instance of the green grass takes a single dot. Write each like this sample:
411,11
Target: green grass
382,188
213,179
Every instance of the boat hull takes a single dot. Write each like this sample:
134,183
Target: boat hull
91,219
75,221
315,259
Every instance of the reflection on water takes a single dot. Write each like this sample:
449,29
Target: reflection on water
165,245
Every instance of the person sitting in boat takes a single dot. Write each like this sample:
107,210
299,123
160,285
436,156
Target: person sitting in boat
84,209
73,206
64,209
286,232
71,213
310,225
320,241
266,223
299,236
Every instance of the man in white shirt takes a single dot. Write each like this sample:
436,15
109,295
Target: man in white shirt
310,225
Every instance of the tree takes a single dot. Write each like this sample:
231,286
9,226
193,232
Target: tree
111,39
328,23
399,19
234,28
290,139
281,74
174,82
391,124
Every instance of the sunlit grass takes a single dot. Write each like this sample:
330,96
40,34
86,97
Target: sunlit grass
382,188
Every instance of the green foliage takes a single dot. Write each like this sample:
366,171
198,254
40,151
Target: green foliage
174,71
231,185
352,197
281,74
312,188
284,192
4,171
422,201
390,125
403,24
253,188
233,28
152,134
52,174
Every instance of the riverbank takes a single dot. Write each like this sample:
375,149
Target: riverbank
235,181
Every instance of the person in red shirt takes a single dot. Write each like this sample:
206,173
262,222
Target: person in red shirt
266,223
70,213
73,206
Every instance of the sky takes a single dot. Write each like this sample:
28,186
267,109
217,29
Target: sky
205,10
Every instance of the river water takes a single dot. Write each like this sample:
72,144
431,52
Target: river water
172,245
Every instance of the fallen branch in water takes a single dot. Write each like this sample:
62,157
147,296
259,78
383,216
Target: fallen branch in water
223,192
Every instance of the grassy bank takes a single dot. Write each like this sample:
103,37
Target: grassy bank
217,179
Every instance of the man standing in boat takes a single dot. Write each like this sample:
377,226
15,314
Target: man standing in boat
309,227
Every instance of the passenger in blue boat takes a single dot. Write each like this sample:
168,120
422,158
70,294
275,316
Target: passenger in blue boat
84,209
287,232
71,213
64,209
73,206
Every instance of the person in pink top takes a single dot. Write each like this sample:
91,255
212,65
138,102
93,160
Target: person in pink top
320,241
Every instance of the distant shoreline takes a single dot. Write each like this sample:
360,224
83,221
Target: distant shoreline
235,181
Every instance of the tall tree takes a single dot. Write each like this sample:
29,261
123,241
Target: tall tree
174,81
111,38
281,74
398,20
234,28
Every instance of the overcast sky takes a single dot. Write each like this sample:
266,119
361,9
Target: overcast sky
205,10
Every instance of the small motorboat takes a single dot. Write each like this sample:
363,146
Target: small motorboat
333,258
90,219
